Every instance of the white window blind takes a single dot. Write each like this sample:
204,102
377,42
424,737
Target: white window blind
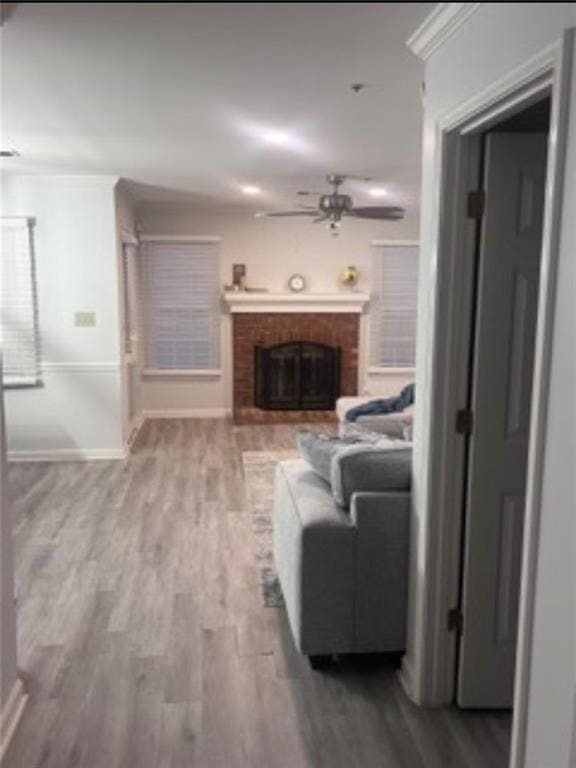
180,306
19,334
393,306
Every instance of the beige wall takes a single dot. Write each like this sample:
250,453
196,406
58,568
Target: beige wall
272,250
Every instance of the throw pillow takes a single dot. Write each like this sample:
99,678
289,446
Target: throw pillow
361,462
317,450
384,466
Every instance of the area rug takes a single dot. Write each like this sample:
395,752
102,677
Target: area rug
259,468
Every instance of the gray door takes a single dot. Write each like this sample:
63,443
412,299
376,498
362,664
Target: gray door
507,298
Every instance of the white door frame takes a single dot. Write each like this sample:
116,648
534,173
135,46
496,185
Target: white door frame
452,244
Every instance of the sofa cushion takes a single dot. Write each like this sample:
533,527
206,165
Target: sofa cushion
358,462
384,466
319,450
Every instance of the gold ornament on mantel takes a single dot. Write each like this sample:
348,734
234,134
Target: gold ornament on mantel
349,276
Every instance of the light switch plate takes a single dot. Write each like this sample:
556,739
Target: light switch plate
85,319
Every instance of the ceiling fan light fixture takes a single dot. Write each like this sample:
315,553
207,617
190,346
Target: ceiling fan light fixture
378,192
335,205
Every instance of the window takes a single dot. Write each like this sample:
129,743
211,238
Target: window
19,335
393,306
180,306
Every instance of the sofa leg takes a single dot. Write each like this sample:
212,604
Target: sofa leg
318,662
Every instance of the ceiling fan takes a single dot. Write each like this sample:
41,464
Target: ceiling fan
334,205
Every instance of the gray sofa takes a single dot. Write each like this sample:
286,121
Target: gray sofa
343,571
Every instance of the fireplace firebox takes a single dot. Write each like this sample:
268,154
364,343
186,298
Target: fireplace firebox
297,376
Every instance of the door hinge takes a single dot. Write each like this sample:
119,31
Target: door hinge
464,421
476,203
455,620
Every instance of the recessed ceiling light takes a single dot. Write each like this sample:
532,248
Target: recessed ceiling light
273,137
249,189
278,138
378,192
9,153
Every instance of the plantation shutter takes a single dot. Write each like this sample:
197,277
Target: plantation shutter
19,333
180,306
393,306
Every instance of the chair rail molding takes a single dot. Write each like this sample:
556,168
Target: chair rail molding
441,24
80,367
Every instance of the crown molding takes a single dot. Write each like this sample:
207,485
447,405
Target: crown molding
440,25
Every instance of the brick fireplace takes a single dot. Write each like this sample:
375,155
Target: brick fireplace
258,322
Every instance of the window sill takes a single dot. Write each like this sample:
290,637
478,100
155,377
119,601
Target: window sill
152,373
378,371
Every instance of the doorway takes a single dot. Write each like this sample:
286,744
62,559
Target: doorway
508,214
448,251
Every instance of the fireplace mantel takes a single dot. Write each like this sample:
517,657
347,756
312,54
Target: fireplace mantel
248,302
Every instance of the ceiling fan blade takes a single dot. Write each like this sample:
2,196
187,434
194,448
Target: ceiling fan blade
286,214
352,176
390,212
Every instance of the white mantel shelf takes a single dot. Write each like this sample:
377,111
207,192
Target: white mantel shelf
296,302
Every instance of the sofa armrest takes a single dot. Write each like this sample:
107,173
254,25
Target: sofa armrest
382,522
384,511
314,550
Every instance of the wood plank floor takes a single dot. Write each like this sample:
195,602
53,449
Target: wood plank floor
144,642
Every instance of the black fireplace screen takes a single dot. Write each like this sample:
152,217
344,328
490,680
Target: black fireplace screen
300,376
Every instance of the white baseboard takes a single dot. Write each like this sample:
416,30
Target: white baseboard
406,677
69,454
137,426
11,715
189,413
114,454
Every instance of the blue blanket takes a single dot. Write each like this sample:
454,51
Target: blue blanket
394,404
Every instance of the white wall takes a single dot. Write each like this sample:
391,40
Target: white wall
272,250
8,657
77,410
552,711
498,38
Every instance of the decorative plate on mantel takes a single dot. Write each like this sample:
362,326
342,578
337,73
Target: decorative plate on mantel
296,283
